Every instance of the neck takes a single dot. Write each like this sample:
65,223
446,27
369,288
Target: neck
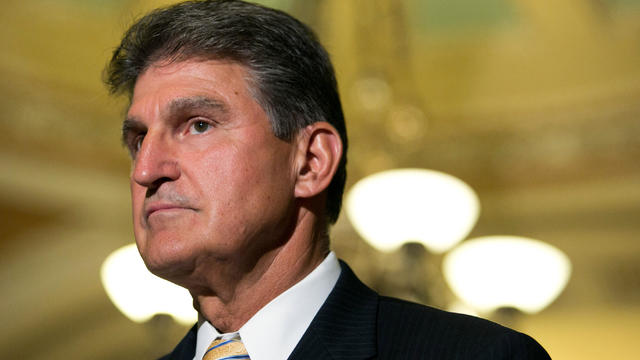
228,305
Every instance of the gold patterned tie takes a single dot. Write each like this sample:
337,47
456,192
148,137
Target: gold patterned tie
228,349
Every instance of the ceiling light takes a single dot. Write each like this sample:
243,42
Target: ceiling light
412,205
495,272
139,294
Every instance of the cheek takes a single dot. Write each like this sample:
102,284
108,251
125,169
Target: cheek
229,182
218,170
137,201
135,192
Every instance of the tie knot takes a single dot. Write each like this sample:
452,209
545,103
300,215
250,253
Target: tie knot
221,349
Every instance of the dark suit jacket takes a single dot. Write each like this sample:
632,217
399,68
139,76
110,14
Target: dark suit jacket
357,323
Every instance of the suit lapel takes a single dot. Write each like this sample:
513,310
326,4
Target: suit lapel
345,326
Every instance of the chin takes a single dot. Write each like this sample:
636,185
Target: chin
167,259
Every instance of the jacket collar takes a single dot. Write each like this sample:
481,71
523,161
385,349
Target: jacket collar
345,326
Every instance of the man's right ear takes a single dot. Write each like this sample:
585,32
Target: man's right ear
318,155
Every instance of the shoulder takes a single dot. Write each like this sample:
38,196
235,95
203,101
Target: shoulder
426,332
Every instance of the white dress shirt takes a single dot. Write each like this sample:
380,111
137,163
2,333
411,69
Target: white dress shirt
275,330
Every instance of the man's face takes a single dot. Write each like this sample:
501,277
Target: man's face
209,179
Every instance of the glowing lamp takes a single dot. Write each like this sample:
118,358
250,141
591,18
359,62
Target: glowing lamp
393,207
493,272
139,294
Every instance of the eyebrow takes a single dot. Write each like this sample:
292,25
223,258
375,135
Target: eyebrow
179,105
176,106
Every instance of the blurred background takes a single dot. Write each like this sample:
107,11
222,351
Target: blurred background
534,104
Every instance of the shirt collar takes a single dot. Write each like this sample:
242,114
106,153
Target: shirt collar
275,330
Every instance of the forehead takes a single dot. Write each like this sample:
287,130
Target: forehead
161,83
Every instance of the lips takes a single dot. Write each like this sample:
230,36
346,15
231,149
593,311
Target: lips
156,208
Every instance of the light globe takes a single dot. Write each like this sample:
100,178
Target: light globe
139,294
412,205
494,272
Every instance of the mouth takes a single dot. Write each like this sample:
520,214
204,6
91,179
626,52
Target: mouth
163,208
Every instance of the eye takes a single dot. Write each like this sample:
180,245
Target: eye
199,126
134,143
137,143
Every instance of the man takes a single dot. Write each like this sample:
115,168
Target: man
238,143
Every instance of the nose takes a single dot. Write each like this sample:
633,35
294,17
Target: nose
155,163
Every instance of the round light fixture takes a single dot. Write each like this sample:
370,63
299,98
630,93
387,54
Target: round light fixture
139,294
494,272
412,205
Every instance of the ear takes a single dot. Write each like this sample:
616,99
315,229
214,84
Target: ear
317,158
